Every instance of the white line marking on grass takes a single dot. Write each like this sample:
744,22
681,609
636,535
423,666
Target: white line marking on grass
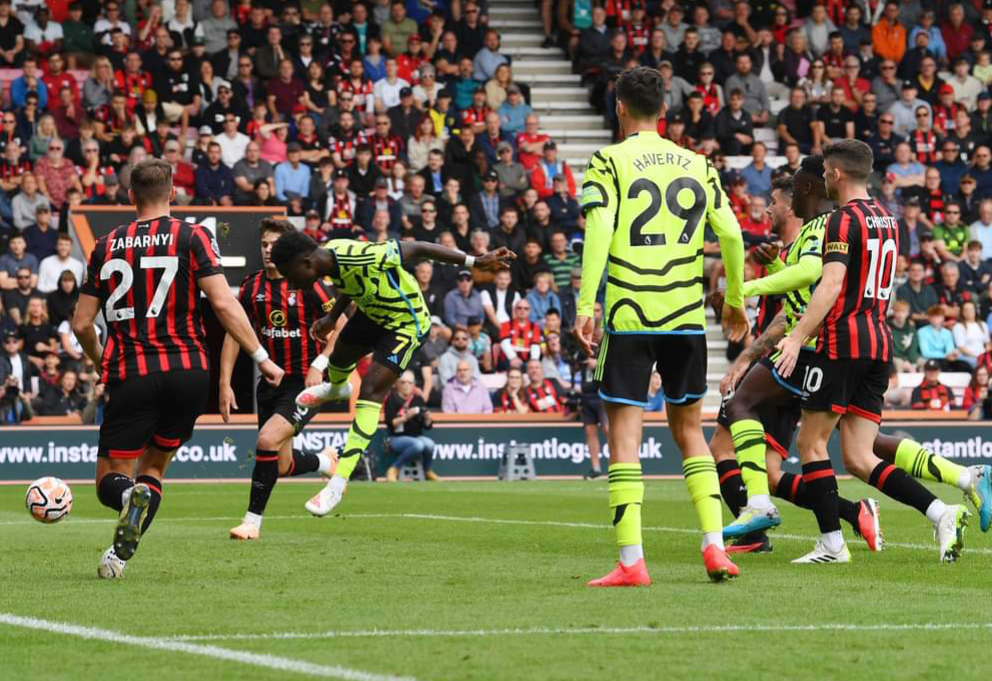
497,521
282,664
558,631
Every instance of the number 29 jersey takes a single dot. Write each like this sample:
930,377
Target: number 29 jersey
145,276
864,236
647,203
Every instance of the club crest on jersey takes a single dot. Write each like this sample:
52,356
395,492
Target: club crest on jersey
277,318
292,299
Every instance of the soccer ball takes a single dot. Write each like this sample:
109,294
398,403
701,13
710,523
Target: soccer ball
48,500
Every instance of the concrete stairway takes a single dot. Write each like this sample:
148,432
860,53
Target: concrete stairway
556,95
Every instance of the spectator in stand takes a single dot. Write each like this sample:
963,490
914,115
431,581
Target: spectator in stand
465,394
544,172
512,398
834,121
513,178
971,335
214,180
734,128
530,143
796,122
976,396
889,35
564,209
957,32
951,236
981,229
755,96
757,226
937,343
975,271
246,172
52,266
931,393
488,59
560,260
499,299
462,303
485,206
904,110
544,395
520,339
25,203
62,301
542,298
284,92
906,171
758,174
950,167
920,295
292,177
905,343
64,400
965,86
396,31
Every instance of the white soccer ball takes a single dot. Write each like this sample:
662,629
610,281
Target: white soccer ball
48,500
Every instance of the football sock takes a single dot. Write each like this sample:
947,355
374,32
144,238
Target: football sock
791,488
359,435
919,462
749,443
324,464
626,489
936,509
111,489
338,375
302,463
732,486
897,483
704,490
263,479
821,490
252,519
155,485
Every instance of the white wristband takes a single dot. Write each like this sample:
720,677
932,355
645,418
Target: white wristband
260,355
469,261
319,363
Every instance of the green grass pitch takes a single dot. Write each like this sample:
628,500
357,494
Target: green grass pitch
421,581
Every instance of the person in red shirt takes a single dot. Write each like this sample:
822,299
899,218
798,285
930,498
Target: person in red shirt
931,393
519,339
386,147
547,169
739,200
284,92
638,29
408,63
530,143
544,395
131,80
56,79
475,115
946,111
957,32
854,86
757,223
183,174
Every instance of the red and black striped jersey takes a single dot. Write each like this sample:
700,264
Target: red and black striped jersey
865,237
145,275
281,317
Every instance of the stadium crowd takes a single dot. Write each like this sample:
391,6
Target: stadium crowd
404,120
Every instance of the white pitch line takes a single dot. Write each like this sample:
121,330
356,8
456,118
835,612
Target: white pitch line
559,631
281,664
502,521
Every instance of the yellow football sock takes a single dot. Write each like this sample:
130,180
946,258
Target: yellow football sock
626,496
359,435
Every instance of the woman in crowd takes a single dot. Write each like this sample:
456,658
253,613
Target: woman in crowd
99,86
971,335
421,142
976,396
407,418
512,398
62,300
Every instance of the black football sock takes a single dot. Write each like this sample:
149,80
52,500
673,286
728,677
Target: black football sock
263,479
302,463
155,485
732,485
821,491
111,488
899,485
791,488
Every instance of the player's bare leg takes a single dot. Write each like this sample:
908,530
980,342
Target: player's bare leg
821,483
275,458
626,495
376,384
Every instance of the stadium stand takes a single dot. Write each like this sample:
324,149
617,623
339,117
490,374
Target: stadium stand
470,123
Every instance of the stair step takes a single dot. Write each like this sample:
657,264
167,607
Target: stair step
546,79
560,93
532,52
556,120
549,67
529,24
567,136
511,13
547,107
508,40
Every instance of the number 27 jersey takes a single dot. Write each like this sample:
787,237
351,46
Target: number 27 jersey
865,237
145,276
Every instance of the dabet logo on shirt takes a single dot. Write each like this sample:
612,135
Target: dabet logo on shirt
277,318
836,247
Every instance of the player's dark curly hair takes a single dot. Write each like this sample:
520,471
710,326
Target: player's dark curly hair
785,184
642,91
290,245
812,165
854,157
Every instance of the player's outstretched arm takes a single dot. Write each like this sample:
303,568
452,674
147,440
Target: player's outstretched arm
824,297
234,320
755,351
492,261
802,275
87,308
320,329
228,355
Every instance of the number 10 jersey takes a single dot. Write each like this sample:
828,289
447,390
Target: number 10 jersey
647,203
145,276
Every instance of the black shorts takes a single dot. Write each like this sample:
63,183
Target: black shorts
591,411
794,383
159,409
626,361
779,421
391,349
855,386
281,400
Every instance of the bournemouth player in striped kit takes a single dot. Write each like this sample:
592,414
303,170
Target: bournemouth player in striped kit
281,316
146,278
845,379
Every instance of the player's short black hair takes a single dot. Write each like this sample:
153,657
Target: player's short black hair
289,246
812,165
642,91
275,225
151,181
785,184
853,156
